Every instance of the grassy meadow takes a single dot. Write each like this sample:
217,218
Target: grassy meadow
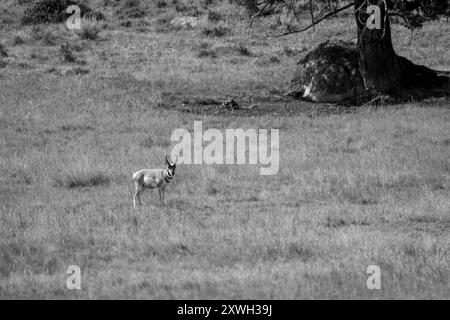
357,186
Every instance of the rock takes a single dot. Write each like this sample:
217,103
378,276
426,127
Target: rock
329,73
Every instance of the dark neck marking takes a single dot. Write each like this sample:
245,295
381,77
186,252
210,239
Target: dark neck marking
168,177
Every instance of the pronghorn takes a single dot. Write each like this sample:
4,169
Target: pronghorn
153,178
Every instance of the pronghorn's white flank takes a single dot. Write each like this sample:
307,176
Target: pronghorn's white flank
151,179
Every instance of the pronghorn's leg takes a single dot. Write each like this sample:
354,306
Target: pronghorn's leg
163,196
139,195
135,195
160,194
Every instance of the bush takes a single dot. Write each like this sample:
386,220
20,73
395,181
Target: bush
266,61
82,179
67,54
48,35
250,5
80,170
214,16
89,30
288,51
18,40
54,11
188,8
3,52
216,31
25,2
50,39
131,3
244,51
161,4
131,9
204,53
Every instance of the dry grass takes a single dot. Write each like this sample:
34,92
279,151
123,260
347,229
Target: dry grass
354,189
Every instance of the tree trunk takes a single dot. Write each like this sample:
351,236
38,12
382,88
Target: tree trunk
382,69
379,65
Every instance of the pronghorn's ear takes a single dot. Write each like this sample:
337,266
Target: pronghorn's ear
176,160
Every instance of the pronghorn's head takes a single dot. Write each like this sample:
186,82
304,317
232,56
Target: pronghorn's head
171,165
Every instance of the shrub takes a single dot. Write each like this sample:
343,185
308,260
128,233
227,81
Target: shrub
188,8
164,20
54,11
131,9
274,59
250,5
150,142
82,179
204,45
126,24
288,51
161,4
81,172
89,30
47,35
25,2
67,54
243,51
18,40
49,39
131,3
266,61
3,52
214,16
204,53
216,31
212,187
7,16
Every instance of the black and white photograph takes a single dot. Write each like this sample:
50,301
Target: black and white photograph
247,151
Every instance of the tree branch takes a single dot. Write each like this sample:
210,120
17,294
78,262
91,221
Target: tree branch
261,11
315,22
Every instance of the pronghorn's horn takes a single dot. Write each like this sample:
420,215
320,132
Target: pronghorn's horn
167,160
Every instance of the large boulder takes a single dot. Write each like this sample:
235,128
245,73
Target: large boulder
329,73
